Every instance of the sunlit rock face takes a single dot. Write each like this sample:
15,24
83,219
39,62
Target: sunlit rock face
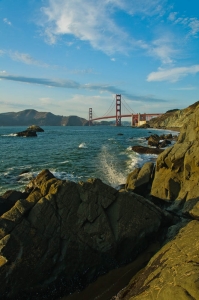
172,273
177,170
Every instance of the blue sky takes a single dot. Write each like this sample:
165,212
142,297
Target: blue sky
65,56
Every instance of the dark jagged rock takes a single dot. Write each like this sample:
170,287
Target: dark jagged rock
153,140
27,133
8,200
164,144
65,233
146,150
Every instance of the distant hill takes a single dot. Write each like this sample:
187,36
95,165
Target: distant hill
30,116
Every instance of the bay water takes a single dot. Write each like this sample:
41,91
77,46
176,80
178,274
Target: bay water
72,153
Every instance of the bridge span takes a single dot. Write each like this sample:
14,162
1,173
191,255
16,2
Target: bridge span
137,119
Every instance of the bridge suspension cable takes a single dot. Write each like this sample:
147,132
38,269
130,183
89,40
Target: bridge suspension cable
125,104
111,107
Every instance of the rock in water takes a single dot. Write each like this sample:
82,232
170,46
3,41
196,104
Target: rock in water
27,133
146,150
66,234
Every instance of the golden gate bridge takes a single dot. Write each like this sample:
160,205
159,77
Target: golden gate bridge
117,106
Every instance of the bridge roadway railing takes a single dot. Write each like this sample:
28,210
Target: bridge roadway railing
135,118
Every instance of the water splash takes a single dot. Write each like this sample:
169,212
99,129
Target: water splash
83,145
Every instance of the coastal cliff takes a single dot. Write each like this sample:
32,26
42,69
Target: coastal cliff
174,118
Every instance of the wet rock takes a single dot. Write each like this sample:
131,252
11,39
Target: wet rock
146,150
164,144
27,133
153,140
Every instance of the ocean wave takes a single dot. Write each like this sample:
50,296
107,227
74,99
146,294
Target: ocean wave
11,134
82,145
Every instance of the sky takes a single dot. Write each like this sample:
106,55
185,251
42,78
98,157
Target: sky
66,56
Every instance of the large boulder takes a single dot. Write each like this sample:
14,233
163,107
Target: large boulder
140,179
153,140
64,235
177,169
172,273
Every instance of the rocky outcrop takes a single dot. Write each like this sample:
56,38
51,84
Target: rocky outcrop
63,235
177,169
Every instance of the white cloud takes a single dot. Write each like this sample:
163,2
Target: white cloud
191,23
163,49
194,25
6,21
25,58
173,74
172,16
93,21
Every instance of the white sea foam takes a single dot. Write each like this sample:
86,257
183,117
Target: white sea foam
11,134
64,162
83,145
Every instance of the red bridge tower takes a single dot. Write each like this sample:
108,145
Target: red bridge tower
118,110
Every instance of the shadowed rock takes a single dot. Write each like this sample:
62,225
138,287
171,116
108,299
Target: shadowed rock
27,133
65,233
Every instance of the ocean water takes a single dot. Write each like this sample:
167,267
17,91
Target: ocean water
72,153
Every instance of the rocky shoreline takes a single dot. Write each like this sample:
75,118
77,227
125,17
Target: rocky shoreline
58,236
